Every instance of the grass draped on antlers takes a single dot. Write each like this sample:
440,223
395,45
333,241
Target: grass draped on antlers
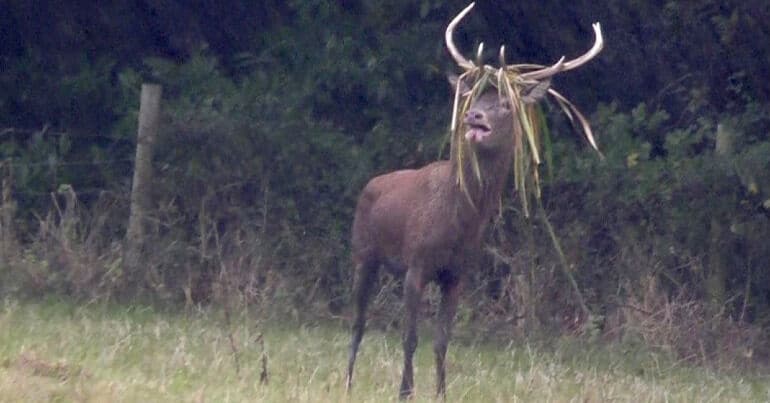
530,135
530,131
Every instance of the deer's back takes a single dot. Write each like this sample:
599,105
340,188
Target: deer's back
406,214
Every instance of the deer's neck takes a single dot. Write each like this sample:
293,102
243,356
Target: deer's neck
484,194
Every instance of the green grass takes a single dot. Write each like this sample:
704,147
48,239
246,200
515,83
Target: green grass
57,351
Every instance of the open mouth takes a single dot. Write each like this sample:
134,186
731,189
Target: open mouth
477,132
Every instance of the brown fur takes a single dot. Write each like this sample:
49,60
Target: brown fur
420,224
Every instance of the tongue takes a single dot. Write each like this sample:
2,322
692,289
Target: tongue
476,134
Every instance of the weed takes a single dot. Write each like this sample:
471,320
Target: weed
55,350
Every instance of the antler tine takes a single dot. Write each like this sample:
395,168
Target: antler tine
562,66
546,72
598,45
463,62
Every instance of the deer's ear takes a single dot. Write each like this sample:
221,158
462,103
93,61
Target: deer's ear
536,93
454,81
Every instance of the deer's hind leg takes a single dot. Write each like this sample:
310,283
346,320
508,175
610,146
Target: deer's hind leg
366,276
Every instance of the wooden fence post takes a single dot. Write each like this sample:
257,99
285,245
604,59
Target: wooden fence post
8,208
717,269
149,116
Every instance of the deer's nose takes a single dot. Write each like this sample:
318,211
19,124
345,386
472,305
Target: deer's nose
474,115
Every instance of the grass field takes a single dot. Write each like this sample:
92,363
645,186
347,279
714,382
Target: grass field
57,351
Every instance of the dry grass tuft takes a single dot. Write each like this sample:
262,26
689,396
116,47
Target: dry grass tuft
29,362
689,329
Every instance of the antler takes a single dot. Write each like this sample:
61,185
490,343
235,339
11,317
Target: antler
463,62
562,66
534,75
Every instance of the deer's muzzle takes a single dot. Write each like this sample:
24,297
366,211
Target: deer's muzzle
478,127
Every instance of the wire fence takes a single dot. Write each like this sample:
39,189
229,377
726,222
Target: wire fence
9,165
80,192
54,164
7,132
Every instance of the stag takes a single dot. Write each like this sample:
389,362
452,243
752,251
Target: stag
421,225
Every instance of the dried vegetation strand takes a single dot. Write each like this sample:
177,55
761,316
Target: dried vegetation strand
521,85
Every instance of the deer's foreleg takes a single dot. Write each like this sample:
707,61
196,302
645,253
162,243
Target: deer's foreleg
450,295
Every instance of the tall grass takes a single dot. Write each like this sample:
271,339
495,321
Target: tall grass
57,351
